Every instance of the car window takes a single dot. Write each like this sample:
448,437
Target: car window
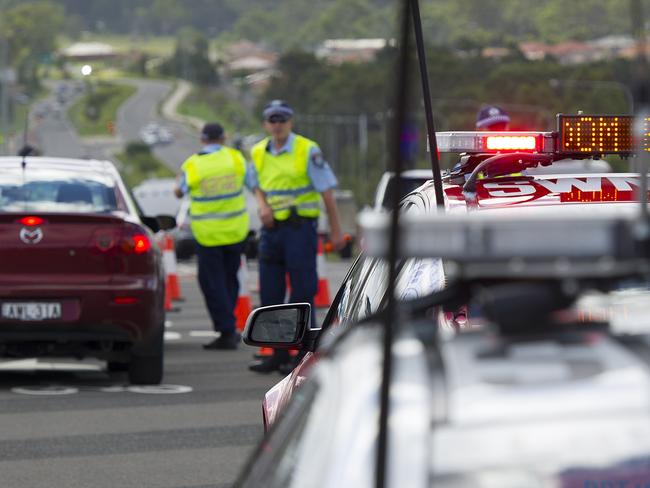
364,291
344,302
372,292
407,185
59,191
420,277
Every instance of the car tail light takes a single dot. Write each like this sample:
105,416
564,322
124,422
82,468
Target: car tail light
31,221
127,241
136,244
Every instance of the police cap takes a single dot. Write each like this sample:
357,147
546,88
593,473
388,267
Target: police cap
212,131
277,107
491,115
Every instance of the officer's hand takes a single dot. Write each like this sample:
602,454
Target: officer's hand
266,216
337,240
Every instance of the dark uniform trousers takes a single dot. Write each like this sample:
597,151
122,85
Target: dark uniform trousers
218,268
290,247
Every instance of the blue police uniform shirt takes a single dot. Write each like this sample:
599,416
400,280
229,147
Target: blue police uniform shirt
207,149
320,174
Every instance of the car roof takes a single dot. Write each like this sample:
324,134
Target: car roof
64,164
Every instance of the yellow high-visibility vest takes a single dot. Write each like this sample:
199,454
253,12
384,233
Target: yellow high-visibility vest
284,179
218,214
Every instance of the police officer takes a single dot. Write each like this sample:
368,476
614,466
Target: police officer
492,118
289,177
214,179
489,118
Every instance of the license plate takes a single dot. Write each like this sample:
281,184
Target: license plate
33,311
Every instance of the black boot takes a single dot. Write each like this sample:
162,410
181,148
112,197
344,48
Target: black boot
225,342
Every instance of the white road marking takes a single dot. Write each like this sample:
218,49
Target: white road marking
160,389
168,324
204,333
113,389
70,390
45,390
36,365
172,336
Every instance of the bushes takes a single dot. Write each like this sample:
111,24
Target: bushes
138,164
92,113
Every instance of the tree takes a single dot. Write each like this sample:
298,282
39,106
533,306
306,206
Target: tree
191,58
31,29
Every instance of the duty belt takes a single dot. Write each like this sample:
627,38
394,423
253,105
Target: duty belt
294,219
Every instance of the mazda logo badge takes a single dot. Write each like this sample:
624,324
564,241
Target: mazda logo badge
29,236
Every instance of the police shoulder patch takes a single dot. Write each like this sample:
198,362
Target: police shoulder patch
317,158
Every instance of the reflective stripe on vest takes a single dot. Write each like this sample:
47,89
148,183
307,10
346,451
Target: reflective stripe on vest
284,179
218,215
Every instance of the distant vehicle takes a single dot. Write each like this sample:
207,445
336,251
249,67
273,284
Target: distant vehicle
411,179
81,275
164,135
156,196
153,133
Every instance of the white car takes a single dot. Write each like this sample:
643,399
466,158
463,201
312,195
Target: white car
412,179
153,133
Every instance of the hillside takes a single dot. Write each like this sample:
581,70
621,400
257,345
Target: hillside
451,22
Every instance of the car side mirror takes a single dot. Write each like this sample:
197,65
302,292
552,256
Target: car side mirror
278,326
166,222
161,222
151,222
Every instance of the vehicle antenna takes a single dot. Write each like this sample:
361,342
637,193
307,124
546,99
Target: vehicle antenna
390,317
25,150
428,108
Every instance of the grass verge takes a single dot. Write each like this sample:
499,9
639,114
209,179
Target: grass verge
92,113
214,105
137,163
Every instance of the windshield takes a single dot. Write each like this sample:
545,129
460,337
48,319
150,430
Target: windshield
58,191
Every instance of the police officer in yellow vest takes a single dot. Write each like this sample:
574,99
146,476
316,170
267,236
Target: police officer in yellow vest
289,177
214,180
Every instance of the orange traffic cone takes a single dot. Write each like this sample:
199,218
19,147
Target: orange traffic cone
168,299
264,352
322,297
171,274
243,307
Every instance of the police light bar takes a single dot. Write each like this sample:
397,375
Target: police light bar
600,134
493,142
499,245
576,135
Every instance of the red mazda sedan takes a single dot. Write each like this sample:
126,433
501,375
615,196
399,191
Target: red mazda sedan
80,275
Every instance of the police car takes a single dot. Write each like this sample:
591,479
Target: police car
545,382
550,389
496,174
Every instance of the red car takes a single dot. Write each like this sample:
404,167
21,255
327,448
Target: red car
80,274
538,177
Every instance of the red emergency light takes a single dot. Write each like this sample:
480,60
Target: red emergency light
482,142
511,143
